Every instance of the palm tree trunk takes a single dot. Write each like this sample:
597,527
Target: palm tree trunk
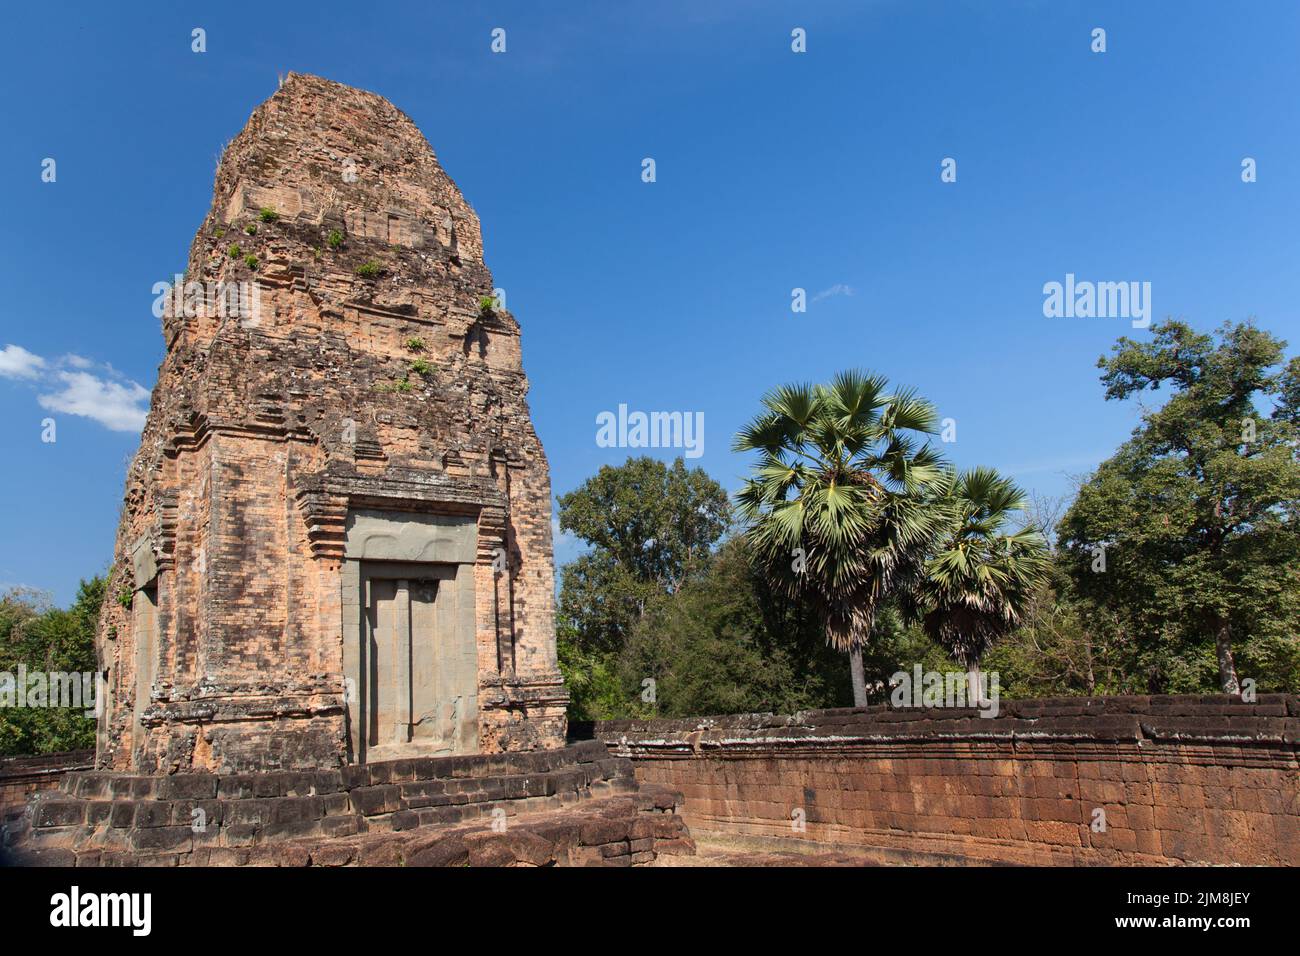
974,698
1228,682
859,681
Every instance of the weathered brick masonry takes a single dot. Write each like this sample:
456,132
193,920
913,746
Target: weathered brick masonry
20,777
330,635
1179,779
570,806
336,543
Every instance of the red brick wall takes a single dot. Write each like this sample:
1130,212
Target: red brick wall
1179,779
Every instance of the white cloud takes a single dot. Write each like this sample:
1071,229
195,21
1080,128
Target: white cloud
118,406
838,288
111,399
17,362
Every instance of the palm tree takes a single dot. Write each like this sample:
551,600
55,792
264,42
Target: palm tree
839,508
980,580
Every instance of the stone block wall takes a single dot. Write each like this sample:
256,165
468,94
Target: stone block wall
20,777
382,813
1125,780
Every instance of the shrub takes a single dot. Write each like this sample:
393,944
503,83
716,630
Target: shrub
250,260
335,239
234,251
396,385
268,215
415,344
369,269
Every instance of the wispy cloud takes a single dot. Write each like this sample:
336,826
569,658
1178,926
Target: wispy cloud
838,288
17,362
117,406
104,396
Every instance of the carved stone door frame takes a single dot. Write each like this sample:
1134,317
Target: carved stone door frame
398,546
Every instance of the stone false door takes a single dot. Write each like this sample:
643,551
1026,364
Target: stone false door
410,653
410,684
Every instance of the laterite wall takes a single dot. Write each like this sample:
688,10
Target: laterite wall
20,777
1180,779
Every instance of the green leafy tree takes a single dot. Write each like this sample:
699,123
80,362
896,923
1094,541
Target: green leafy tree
648,524
46,639
1051,655
840,507
983,576
596,691
723,643
600,601
1186,539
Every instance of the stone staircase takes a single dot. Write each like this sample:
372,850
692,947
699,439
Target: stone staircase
369,814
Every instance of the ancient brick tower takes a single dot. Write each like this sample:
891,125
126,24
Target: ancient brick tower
336,542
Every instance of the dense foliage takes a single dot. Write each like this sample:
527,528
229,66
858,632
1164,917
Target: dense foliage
726,643
42,638
649,525
1175,568
1184,546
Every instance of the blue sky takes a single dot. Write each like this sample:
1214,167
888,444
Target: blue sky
775,170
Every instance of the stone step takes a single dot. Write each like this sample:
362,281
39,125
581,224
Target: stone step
636,829
182,812
199,786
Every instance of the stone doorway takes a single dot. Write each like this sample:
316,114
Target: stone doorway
410,649
419,676
415,690
144,631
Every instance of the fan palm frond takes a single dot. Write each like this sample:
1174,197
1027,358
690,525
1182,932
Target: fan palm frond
846,476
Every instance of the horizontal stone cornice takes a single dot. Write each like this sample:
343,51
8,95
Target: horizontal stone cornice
1267,730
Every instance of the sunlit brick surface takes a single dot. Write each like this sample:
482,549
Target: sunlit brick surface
1178,779
371,375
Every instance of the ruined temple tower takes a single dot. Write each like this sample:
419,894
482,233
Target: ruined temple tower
336,543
